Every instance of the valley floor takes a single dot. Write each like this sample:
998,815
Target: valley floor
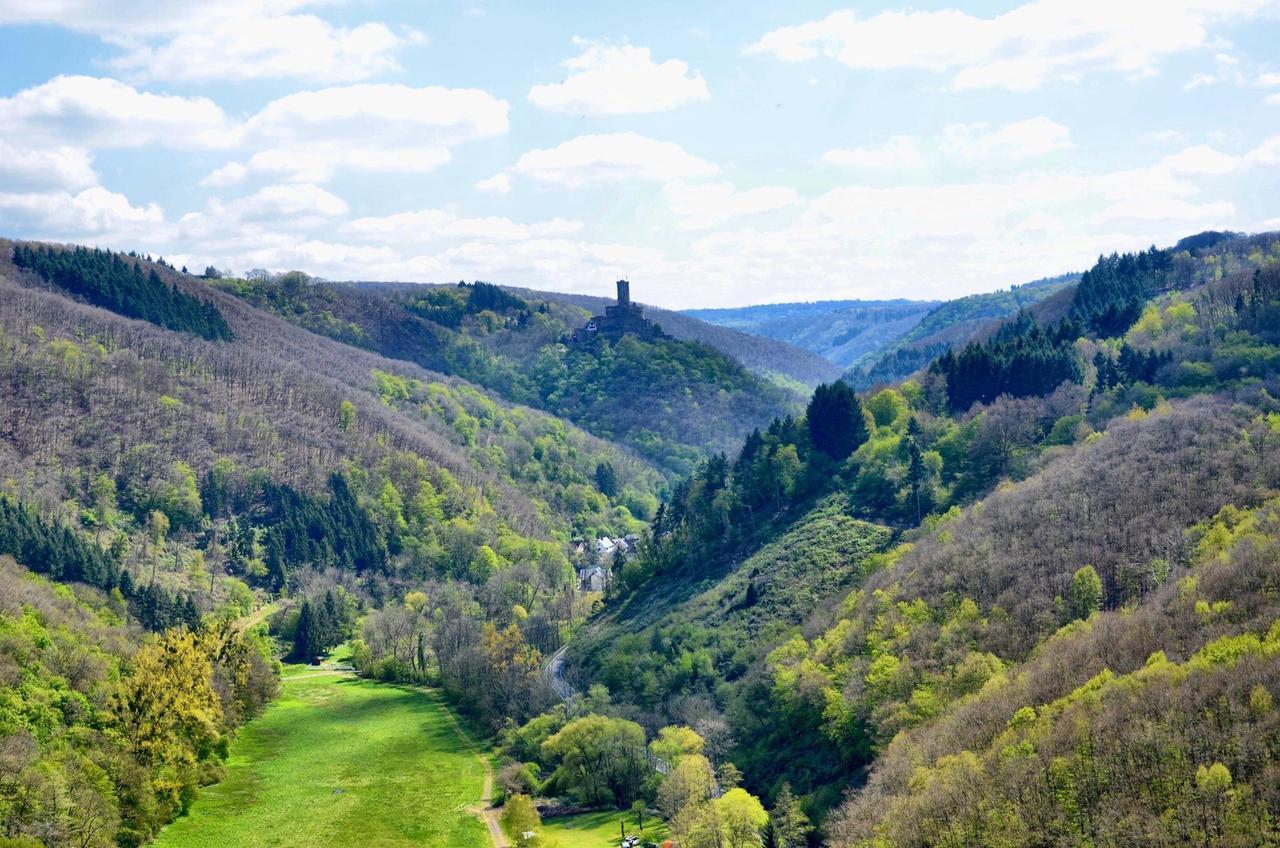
340,761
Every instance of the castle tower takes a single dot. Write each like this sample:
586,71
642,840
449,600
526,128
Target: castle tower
624,293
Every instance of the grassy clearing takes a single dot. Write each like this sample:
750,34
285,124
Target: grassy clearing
597,830
337,761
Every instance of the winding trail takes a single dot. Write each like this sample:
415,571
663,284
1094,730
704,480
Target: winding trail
486,811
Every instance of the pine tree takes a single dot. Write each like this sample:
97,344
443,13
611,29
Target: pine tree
836,423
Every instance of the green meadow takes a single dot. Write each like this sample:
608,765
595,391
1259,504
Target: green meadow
337,761
597,830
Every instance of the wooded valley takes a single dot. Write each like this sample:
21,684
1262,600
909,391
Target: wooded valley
1010,582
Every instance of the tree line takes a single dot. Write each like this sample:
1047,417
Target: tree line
109,280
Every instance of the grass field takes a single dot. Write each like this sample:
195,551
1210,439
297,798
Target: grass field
336,761
596,830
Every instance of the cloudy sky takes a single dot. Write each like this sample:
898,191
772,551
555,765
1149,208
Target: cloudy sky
715,154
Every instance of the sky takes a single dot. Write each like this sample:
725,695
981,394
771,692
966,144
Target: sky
715,154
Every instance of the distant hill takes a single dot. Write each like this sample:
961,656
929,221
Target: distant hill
673,400
765,355
840,331
947,325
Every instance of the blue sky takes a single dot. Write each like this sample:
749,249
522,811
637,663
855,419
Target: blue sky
715,154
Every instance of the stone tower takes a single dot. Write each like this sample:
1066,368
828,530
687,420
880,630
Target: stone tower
624,293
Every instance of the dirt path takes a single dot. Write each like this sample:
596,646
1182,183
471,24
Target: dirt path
485,810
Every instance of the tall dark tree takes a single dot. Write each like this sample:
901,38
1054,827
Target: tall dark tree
836,424
606,479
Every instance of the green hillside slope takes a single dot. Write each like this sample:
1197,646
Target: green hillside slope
671,400
1100,431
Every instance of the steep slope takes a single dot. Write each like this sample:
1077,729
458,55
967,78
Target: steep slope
841,331
948,325
673,401
768,357
176,478
1024,473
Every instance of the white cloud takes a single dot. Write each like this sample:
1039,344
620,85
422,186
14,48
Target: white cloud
1018,140
705,205
262,47
431,224
229,174
367,128
104,113
619,79
611,157
89,214
497,184
1266,154
317,163
118,18
1020,49
1274,99
899,153
1201,159
24,168
223,39
240,221
1023,139
431,116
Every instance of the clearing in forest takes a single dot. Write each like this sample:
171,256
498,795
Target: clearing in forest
337,761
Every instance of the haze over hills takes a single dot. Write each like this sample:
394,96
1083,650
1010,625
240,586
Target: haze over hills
842,331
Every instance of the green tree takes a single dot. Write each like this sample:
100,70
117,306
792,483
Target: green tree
742,818
346,415
600,758
606,479
836,422
520,817
788,824
1084,595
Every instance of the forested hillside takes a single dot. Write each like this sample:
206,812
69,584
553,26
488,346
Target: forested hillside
670,400
767,357
177,482
1025,597
946,326
841,331
1058,494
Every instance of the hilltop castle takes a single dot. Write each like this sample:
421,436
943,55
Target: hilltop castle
618,320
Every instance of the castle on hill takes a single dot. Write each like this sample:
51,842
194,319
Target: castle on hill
618,320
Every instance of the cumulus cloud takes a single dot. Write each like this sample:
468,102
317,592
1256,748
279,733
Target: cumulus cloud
497,184
1018,140
1023,139
24,168
705,205
619,79
93,213
282,207
429,224
611,157
301,46
308,136
223,39
899,153
106,113
1022,49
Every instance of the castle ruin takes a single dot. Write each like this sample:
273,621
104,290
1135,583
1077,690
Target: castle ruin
618,320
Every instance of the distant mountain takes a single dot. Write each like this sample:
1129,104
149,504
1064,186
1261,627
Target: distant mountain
841,331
